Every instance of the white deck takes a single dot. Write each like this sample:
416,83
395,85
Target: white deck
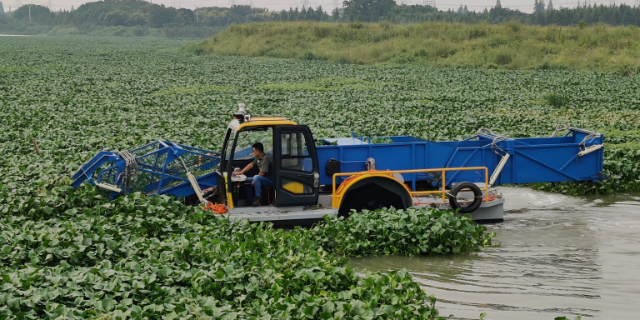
271,213
488,211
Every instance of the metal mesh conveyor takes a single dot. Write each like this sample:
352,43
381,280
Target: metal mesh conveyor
161,167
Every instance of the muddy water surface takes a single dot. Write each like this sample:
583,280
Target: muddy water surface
560,255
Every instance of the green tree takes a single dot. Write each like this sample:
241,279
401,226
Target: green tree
293,14
538,7
320,14
185,17
162,15
335,14
39,14
138,19
367,10
116,18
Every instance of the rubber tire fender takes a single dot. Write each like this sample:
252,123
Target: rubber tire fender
477,197
388,193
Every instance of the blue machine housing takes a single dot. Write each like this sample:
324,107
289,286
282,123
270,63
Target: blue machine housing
548,159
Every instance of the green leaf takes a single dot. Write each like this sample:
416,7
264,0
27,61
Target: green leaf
108,304
14,303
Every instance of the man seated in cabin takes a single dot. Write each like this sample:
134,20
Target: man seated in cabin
263,179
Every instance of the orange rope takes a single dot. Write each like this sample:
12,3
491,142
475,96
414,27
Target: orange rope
491,198
215,208
207,190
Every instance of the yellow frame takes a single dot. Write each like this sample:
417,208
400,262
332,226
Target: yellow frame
255,122
266,122
337,198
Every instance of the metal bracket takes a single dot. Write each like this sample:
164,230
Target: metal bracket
590,149
108,187
498,170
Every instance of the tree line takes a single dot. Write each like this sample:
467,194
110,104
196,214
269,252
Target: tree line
543,14
135,13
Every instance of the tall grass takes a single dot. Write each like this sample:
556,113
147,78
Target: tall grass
506,46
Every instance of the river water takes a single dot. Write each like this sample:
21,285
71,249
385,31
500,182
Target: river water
559,256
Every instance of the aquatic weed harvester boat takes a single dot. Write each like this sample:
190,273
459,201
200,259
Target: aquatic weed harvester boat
313,178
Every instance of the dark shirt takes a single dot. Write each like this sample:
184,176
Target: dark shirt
264,165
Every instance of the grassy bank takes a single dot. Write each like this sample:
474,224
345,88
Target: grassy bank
509,46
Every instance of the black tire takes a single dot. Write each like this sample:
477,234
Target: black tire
477,197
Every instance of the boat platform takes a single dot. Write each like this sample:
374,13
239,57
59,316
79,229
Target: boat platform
289,217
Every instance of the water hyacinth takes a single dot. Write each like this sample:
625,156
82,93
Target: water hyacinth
154,257
68,253
424,231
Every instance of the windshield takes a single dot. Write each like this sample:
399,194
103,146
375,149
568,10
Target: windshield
247,138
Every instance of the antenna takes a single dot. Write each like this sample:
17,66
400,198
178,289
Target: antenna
29,13
335,3
305,3
50,5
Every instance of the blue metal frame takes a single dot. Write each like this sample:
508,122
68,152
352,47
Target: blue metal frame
157,171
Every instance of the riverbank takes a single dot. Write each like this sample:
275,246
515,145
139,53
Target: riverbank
437,44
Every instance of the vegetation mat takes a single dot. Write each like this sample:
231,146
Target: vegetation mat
154,258
78,95
73,253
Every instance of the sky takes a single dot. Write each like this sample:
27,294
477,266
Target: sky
327,5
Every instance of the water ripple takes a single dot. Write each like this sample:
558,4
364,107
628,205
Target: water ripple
559,256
